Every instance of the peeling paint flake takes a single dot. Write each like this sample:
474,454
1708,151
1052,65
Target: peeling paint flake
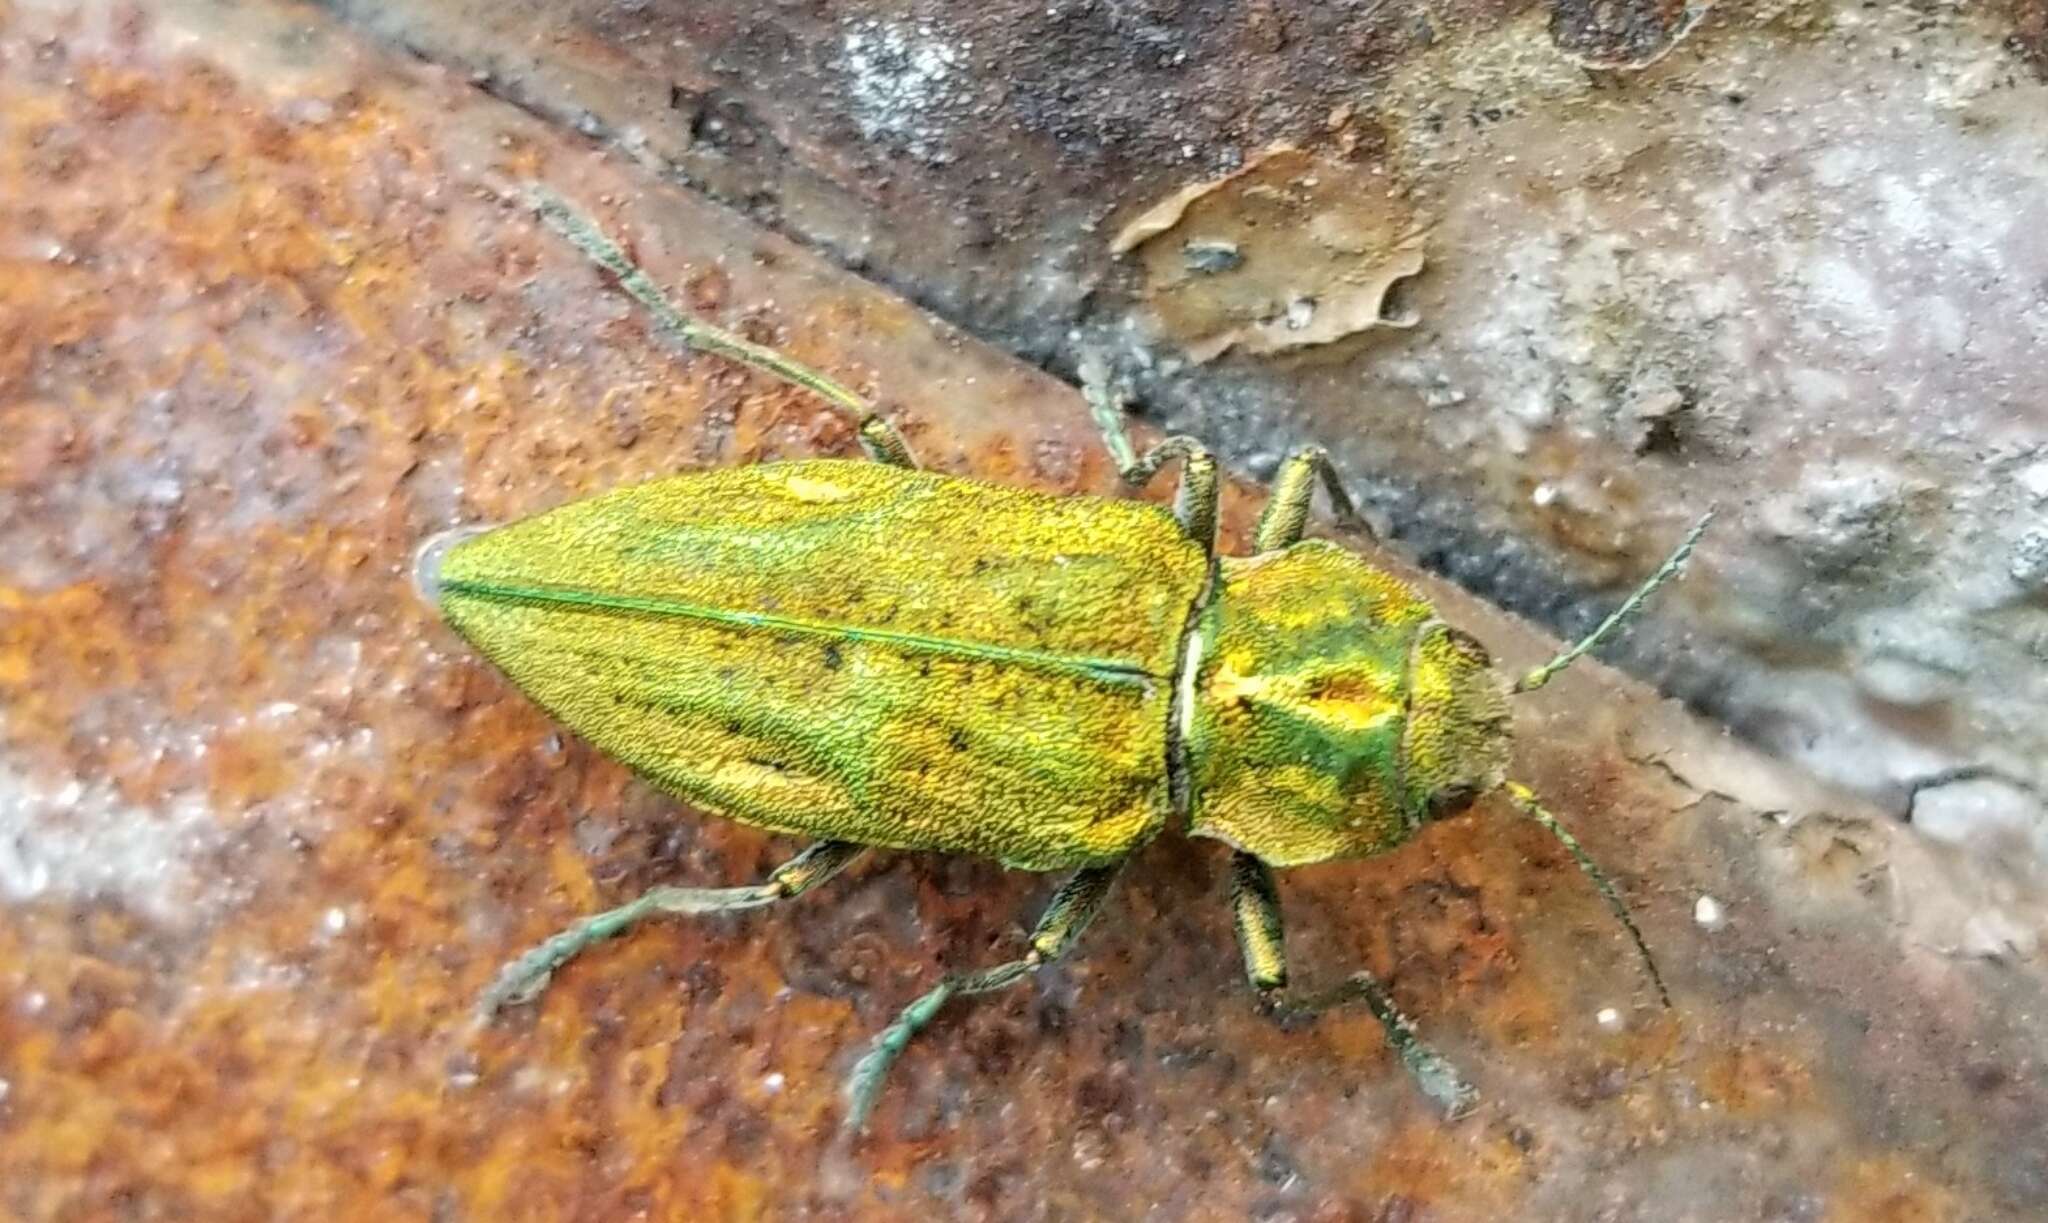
1316,246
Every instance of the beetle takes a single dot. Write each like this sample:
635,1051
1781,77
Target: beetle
871,655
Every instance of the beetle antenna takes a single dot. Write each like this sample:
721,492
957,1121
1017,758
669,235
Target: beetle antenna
1525,800
563,218
1671,567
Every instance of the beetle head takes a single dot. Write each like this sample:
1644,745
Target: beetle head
1329,712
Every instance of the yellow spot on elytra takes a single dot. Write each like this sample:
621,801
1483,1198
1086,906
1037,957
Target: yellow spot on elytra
755,774
818,492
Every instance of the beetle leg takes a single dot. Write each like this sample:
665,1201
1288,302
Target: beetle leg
878,438
524,978
1286,514
1077,902
1255,902
1194,505
1195,502
1261,930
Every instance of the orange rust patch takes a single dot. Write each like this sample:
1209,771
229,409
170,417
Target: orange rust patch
1889,1190
1751,1081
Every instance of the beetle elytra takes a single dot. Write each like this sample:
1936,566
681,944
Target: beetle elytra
870,655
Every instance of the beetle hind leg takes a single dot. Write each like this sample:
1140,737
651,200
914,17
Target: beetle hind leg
878,438
523,979
1261,934
1075,905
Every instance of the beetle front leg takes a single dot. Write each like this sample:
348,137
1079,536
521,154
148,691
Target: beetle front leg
1075,905
524,978
1261,936
1286,514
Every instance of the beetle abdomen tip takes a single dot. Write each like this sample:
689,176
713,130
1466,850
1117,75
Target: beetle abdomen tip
426,560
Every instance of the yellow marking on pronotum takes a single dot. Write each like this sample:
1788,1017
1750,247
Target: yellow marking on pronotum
1229,685
1360,712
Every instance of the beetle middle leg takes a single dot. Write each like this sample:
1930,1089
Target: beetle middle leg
1077,902
524,978
1261,934
878,438
1195,503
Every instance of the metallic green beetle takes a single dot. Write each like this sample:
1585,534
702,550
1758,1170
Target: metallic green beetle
871,655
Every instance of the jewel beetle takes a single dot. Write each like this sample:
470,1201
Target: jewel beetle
873,656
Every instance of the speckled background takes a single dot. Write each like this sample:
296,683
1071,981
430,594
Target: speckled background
267,320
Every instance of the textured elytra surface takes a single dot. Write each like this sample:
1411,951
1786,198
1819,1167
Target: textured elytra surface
856,652
266,828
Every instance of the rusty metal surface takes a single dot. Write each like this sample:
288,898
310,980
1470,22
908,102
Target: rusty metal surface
266,829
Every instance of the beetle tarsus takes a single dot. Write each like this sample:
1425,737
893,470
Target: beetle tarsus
1261,933
1195,504
1432,1071
878,438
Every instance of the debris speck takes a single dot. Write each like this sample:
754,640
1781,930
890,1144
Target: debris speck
1708,913
2029,563
1207,258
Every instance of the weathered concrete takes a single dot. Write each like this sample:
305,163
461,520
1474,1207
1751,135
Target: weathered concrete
267,320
